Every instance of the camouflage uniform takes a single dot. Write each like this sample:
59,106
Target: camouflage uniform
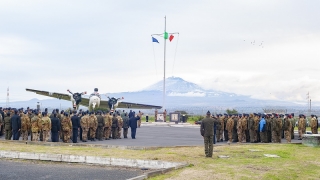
66,126
314,125
35,128
125,126
100,128
277,128
234,132
107,126
293,123
139,121
7,127
287,129
256,120
219,128
25,126
84,122
273,121
229,127
114,126
251,128
225,119
268,129
301,127
93,124
239,130
244,128
120,124
46,127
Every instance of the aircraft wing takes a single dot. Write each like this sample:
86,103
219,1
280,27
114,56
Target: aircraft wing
51,94
84,101
104,104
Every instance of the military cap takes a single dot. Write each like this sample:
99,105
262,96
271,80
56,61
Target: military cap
312,115
208,113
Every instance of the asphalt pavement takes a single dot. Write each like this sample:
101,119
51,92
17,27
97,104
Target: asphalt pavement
160,136
30,170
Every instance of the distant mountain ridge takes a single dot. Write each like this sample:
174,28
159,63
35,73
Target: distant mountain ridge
180,94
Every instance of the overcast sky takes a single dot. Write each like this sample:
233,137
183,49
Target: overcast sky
79,45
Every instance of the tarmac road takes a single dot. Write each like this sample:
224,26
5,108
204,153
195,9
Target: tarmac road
160,136
18,169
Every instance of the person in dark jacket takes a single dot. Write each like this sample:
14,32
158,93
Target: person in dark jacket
16,125
75,126
125,125
55,128
133,125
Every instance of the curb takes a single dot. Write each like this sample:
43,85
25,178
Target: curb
92,145
133,163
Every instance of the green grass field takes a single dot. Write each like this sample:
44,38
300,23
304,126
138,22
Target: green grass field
295,162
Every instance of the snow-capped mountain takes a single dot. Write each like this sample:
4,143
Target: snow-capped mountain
176,86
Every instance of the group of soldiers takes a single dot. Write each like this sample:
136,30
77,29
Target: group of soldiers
265,128
65,125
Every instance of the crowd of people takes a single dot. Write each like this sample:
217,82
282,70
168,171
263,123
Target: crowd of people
265,128
253,128
99,125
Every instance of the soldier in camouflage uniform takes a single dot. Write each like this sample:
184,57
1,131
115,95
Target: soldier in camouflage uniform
251,128
125,126
256,120
93,124
46,127
229,127
35,122
219,128
244,125
225,133
301,126
314,124
272,120
114,127
66,127
120,124
25,126
84,122
100,128
139,121
107,126
277,128
235,131
293,123
287,128
239,129
206,130
7,126
268,127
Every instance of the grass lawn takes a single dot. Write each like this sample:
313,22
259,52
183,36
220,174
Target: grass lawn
296,162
